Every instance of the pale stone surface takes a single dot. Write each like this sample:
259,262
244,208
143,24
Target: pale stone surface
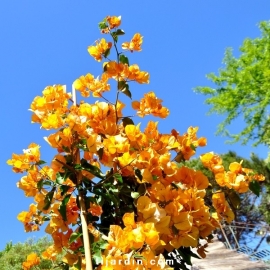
220,258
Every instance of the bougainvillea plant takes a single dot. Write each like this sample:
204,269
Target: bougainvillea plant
116,196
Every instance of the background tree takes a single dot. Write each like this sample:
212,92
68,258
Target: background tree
12,257
242,89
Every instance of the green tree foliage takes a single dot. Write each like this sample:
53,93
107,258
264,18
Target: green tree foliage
251,209
12,257
242,89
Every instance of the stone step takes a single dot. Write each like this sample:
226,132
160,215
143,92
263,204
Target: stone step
220,258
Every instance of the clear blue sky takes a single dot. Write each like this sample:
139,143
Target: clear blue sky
45,43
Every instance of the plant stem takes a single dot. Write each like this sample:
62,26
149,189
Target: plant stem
86,239
117,95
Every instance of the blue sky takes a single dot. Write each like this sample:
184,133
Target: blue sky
45,43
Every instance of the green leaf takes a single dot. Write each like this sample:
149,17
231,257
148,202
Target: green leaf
127,121
83,141
102,25
78,265
47,183
105,68
40,162
45,218
123,59
192,147
255,187
186,257
74,236
78,167
92,169
66,149
64,189
142,189
63,207
100,200
62,177
188,251
59,179
100,152
115,199
234,198
135,195
64,266
93,218
68,158
126,209
138,174
91,199
114,36
121,85
177,261
126,91
97,256
81,146
175,230
98,191
118,178
103,244
119,32
48,199
114,190
107,52
210,237
125,189
40,184
138,256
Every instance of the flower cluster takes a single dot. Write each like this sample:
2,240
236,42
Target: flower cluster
150,104
135,43
48,109
100,49
32,260
23,162
237,178
148,203
86,84
124,72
